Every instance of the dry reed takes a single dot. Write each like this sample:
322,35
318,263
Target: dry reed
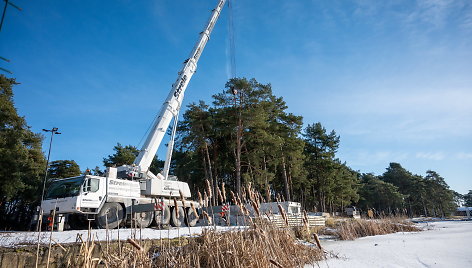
259,246
220,196
354,228
208,188
223,191
200,200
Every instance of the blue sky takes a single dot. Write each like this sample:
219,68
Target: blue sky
392,78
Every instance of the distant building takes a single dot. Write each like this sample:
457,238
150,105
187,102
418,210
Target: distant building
464,212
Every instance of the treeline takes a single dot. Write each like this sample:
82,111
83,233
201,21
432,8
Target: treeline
246,135
398,190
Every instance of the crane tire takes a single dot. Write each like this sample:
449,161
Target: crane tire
192,218
177,221
110,215
162,217
144,219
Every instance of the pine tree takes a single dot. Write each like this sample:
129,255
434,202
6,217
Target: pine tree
63,169
22,162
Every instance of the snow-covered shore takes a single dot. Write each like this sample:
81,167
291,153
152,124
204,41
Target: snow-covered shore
14,239
442,244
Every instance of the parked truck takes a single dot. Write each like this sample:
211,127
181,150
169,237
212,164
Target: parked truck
133,190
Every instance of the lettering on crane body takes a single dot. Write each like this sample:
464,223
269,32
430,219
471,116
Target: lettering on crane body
181,85
123,188
169,187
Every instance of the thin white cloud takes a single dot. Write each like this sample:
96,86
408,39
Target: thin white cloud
370,158
406,114
432,12
466,22
464,156
430,156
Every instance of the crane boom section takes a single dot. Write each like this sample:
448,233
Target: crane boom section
172,104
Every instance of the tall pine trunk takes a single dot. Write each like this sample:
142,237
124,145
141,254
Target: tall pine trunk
267,187
238,151
284,174
210,172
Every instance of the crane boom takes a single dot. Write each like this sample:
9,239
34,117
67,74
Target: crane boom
128,189
172,104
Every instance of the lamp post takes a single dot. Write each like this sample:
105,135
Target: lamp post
53,131
40,215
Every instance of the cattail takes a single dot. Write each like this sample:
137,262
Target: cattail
282,212
200,200
317,240
135,244
194,210
182,198
205,214
220,196
243,193
245,210
176,206
256,208
208,188
236,202
267,213
223,191
276,264
233,197
205,199
260,199
305,219
249,191
263,200
267,192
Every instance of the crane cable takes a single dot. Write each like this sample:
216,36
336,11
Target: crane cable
231,58
231,44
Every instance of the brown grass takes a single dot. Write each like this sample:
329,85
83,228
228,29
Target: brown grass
354,228
258,246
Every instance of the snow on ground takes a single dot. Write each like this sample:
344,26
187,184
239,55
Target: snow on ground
14,239
442,244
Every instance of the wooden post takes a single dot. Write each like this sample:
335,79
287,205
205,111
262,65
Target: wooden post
50,237
39,235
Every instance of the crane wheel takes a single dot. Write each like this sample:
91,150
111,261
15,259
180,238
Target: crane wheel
177,221
144,219
192,218
111,215
162,217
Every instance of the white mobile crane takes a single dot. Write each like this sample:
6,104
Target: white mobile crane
133,189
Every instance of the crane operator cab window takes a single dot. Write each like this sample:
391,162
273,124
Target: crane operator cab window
64,188
91,185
